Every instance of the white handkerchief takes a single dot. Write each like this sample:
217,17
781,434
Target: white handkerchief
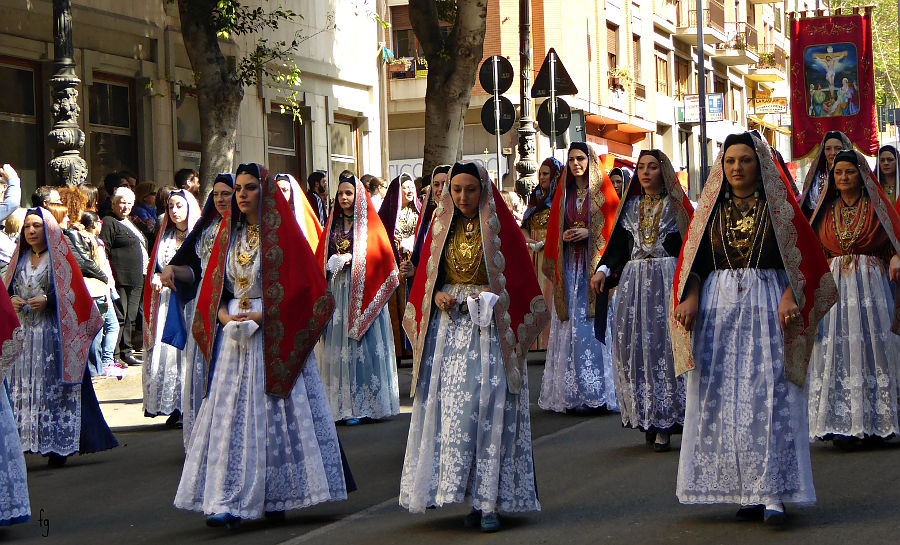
336,262
244,330
481,308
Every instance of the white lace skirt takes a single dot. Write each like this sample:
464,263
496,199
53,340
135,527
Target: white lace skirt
578,368
164,369
14,504
852,377
745,428
194,381
469,438
650,397
47,412
251,452
360,377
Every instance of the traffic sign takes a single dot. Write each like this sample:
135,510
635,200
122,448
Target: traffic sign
505,75
507,115
563,117
563,84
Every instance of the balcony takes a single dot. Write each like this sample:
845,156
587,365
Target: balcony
713,23
740,47
772,64
765,1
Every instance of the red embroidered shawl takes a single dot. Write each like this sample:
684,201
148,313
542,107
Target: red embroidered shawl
373,272
603,205
78,316
807,269
296,301
521,312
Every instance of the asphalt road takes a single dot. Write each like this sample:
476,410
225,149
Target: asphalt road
598,483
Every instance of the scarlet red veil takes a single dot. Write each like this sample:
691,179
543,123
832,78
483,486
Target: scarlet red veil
296,302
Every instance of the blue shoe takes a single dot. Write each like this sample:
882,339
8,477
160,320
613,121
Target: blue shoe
352,421
774,517
490,522
275,516
223,519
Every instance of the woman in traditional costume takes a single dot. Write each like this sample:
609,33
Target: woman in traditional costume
578,371
651,222
14,504
306,216
439,176
471,319
886,172
164,369
264,441
821,165
399,214
619,177
356,353
751,283
534,226
853,372
57,413
179,276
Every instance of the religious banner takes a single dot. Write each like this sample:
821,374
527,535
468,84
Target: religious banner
832,80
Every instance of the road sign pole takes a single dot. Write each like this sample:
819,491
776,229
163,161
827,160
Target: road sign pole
499,180
553,103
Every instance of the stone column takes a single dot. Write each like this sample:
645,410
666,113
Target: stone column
65,138
527,164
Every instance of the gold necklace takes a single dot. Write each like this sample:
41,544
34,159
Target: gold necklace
760,223
741,227
649,216
248,247
464,253
342,239
852,220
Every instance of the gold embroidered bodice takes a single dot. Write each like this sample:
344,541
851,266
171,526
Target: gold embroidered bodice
406,222
538,225
463,254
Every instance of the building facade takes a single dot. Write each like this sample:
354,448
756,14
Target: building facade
635,64
138,110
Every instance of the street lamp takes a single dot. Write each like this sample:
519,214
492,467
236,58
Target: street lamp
527,164
66,138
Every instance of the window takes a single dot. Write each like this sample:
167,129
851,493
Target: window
636,55
111,124
682,78
343,146
777,19
612,45
187,119
19,123
281,132
662,71
406,45
736,104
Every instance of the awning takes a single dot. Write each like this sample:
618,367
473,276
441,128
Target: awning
767,125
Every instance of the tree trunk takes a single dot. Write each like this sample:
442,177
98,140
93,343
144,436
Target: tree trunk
452,65
219,93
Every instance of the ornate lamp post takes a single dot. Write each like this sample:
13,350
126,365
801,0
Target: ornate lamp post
66,138
527,164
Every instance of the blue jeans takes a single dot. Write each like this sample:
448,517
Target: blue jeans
104,344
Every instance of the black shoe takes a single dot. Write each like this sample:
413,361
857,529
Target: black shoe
130,361
751,513
473,519
55,460
650,438
174,421
275,516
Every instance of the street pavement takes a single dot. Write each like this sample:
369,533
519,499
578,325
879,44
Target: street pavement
598,483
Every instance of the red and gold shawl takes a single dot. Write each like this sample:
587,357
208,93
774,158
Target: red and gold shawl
296,302
150,302
78,316
373,272
805,264
520,312
603,205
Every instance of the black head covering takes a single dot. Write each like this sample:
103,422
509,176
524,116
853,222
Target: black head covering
838,135
465,168
846,155
443,169
580,146
251,169
651,152
226,179
740,138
